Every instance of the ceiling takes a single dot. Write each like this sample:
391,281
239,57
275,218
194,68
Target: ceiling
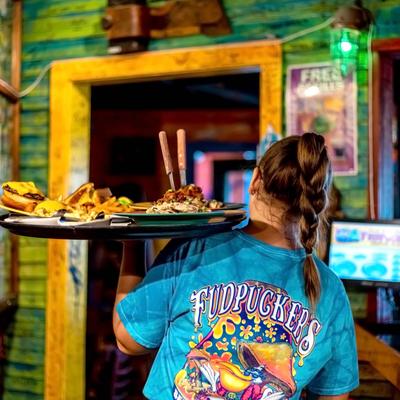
217,92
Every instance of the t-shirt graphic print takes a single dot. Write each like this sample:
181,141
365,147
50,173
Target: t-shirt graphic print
248,340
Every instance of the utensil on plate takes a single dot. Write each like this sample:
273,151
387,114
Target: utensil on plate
167,158
181,136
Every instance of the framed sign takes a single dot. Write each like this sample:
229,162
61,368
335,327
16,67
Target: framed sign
319,99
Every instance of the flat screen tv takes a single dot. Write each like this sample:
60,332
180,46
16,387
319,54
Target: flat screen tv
366,252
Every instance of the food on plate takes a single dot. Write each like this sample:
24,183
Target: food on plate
125,201
21,195
187,199
84,204
87,203
81,196
49,208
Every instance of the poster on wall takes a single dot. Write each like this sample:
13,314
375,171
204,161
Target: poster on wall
319,99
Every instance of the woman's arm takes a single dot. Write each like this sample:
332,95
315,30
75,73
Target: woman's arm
131,274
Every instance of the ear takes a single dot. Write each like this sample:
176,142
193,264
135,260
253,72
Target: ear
255,181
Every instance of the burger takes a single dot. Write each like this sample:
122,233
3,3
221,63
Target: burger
21,195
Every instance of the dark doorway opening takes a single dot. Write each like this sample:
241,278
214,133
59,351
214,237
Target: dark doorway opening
221,117
396,135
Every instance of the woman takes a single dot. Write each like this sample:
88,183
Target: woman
252,313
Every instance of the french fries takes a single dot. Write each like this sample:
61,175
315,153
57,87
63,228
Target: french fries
85,204
88,203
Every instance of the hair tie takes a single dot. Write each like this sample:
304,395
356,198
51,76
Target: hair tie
309,255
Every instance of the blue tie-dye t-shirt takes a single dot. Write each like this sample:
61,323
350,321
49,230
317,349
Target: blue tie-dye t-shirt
231,320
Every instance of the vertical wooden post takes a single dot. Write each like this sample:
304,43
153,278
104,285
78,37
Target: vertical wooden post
67,260
384,51
15,135
271,95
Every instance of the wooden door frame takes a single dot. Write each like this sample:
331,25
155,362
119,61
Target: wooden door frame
10,91
383,50
70,84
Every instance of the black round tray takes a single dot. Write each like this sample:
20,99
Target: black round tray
131,232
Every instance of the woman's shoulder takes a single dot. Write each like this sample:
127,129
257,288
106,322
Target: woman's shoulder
184,247
329,279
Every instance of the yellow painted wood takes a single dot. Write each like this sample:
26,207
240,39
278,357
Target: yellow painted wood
265,56
69,167
66,300
270,89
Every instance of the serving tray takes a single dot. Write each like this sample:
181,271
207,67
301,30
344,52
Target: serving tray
126,228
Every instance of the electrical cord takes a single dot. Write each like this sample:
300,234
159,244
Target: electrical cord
33,85
307,31
285,39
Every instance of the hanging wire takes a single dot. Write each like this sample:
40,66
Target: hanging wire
285,39
33,85
307,31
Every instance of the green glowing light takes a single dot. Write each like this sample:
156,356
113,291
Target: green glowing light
344,49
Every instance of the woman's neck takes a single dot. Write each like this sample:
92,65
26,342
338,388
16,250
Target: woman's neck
266,224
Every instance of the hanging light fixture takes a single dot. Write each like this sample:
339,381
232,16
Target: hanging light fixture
348,23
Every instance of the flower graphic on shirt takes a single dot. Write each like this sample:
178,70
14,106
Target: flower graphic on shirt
246,332
206,344
268,323
243,354
256,318
226,356
270,333
222,346
229,322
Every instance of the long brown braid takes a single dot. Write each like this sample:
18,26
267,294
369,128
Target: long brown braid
297,171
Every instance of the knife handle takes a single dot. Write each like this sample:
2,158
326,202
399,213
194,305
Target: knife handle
181,136
165,152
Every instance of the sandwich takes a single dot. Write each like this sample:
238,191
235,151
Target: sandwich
21,195
49,208
81,196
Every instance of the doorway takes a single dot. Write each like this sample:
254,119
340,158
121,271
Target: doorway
221,117
385,127
69,166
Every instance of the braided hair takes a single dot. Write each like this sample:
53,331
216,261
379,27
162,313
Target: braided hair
297,172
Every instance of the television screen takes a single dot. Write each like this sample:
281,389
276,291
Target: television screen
366,252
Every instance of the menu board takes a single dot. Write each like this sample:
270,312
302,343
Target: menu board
365,251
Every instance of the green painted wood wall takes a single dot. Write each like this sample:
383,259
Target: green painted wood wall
51,30
5,131
59,29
